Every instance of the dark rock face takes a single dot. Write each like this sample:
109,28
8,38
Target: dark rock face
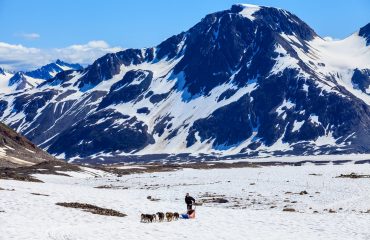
162,124
29,104
170,48
365,33
285,22
104,68
58,117
60,78
124,91
143,110
361,79
87,137
227,94
109,65
74,66
212,56
237,114
156,98
3,107
221,87
19,80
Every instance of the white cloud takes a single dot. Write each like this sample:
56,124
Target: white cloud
19,57
30,36
330,39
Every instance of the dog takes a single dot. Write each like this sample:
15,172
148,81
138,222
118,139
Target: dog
150,217
160,216
147,218
176,216
169,216
143,218
154,218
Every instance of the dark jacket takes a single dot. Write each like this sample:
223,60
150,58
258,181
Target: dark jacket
189,200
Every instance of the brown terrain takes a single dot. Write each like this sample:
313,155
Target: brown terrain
92,209
16,150
20,158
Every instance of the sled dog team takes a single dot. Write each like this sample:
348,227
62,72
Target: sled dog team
170,216
160,217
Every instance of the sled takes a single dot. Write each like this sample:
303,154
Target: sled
188,216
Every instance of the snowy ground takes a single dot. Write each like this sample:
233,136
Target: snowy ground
256,197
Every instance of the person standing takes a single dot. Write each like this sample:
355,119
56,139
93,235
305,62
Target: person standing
189,201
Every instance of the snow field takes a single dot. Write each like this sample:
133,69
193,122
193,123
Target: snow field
28,216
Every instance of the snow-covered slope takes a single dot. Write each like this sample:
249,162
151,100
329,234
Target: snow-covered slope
250,80
4,81
256,199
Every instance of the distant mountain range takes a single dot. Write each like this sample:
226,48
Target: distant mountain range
15,81
251,81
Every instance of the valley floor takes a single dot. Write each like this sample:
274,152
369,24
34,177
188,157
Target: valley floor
326,207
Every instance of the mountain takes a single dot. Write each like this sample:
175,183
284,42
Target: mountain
22,81
50,70
16,150
4,80
248,81
10,82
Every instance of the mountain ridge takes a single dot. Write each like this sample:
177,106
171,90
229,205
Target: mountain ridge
253,81
22,80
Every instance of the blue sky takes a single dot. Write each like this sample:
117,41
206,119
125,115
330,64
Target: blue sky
143,23
48,24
